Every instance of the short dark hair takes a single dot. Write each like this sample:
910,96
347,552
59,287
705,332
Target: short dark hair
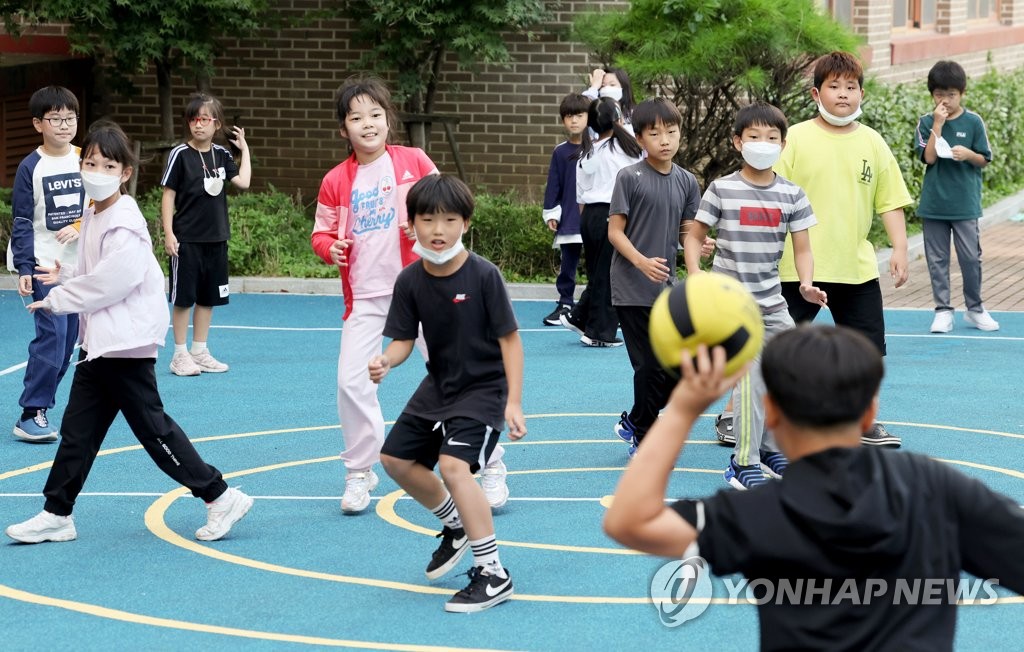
439,193
822,376
946,75
195,104
51,98
837,64
763,114
657,109
370,86
112,143
574,103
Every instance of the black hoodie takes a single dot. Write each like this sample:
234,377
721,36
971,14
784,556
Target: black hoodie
870,542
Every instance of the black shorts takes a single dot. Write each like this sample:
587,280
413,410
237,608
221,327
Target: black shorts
856,306
199,274
424,440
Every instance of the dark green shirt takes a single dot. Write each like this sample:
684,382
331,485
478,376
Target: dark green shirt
952,189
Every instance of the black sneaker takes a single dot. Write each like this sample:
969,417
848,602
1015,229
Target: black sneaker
572,323
554,319
454,544
484,591
723,429
600,344
879,436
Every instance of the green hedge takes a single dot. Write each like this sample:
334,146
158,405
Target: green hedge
270,232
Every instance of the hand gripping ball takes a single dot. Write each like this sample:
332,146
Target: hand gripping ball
712,309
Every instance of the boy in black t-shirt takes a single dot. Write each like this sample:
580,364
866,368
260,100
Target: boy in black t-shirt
474,384
839,543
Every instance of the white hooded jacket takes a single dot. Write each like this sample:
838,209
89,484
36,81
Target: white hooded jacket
117,288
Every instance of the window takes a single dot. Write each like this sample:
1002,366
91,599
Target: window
841,10
982,10
914,14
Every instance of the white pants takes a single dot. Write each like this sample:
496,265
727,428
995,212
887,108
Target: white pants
362,423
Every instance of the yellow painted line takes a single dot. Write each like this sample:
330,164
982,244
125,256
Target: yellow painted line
169,623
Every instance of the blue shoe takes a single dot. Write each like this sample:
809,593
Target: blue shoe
773,463
36,430
624,429
632,448
744,477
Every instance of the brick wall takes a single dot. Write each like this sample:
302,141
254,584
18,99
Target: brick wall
281,86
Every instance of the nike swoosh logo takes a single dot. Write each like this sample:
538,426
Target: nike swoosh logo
495,590
452,442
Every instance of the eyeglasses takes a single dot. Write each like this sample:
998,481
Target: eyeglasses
57,121
202,120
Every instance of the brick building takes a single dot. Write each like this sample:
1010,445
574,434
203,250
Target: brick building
279,86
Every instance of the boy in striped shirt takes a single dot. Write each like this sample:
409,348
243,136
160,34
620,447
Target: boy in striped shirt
753,209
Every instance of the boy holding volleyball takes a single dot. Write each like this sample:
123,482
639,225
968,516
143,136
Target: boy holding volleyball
847,527
474,385
650,203
753,210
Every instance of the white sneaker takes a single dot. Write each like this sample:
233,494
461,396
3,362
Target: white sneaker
981,320
357,491
943,321
221,514
182,364
492,479
44,526
207,363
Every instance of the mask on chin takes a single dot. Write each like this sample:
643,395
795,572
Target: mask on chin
438,257
100,186
835,120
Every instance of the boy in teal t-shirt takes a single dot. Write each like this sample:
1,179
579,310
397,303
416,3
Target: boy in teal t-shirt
953,143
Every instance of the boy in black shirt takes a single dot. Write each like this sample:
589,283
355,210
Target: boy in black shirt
474,384
847,517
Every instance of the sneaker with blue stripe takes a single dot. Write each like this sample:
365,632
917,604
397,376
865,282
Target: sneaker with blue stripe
624,429
773,463
744,477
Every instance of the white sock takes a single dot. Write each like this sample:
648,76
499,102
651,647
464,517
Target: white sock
447,513
198,347
485,555
180,348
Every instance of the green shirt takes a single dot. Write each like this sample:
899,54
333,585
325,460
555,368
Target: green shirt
952,189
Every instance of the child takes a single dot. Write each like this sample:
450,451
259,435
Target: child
362,228
613,83
118,288
650,203
953,143
473,386
47,204
849,174
594,318
194,212
847,526
753,210
561,212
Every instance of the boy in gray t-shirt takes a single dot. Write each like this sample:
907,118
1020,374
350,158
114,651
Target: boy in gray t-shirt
650,203
753,210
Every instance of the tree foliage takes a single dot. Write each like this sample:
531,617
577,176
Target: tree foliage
127,36
711,57
411,39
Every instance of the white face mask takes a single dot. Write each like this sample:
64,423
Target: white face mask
942,148
213,185
760,155
438,257
835,120
614,92
100,186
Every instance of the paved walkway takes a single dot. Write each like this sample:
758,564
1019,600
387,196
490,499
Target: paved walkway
1002,284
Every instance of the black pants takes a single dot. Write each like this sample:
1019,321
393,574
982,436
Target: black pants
601,322
856,306
652,385
101,388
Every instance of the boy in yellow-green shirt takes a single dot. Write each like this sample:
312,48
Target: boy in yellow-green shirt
849,174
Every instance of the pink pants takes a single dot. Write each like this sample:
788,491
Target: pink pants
362,423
